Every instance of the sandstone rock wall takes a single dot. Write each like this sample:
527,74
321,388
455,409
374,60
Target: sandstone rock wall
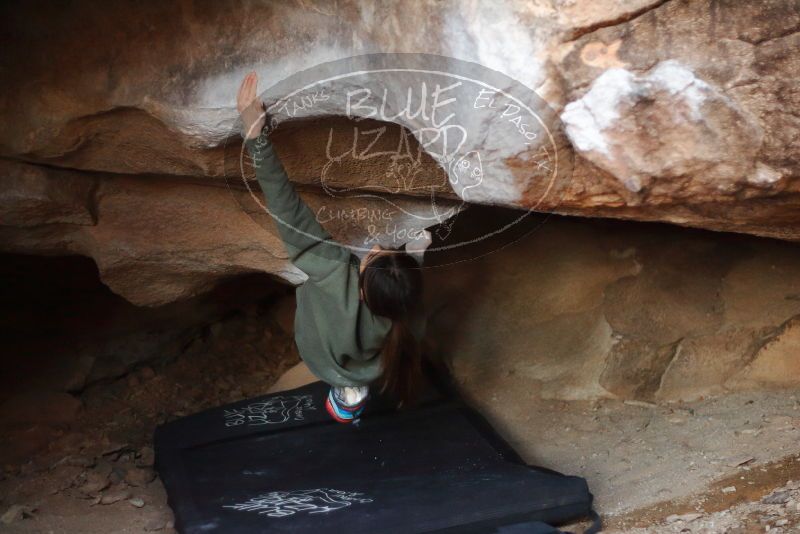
62,330
694,115
117,119
161,238
581,310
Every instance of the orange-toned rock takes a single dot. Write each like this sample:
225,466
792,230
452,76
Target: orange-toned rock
122,140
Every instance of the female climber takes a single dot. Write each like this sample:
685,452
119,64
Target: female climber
358,322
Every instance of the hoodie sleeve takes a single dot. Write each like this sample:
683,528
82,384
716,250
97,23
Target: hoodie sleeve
311,248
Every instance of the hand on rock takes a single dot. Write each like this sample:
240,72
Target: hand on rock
250,107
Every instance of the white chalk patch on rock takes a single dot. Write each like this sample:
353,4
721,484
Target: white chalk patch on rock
667,128
588,118
679,80
764,175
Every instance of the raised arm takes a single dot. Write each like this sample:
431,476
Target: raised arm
311,248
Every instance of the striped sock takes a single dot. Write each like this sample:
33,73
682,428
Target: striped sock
341,412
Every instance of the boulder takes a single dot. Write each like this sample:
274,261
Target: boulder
720,75
585,310
128,149
47,408
658,132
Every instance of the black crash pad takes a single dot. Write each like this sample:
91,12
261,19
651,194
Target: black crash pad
279,463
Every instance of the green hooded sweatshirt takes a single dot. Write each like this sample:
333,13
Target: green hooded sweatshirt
330,317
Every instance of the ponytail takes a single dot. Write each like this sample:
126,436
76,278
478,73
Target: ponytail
392,288
401,363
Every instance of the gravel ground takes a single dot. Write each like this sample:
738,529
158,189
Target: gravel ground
100,479
636,455
717,465
777,512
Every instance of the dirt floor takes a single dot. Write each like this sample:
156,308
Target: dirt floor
722,465
100,479
648,463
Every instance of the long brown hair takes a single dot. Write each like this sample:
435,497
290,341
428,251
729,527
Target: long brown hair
392,287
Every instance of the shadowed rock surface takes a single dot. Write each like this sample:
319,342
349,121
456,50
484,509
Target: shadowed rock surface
607,309
659,362
676,111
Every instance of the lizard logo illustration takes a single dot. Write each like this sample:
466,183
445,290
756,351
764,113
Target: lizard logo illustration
289,503
276,410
